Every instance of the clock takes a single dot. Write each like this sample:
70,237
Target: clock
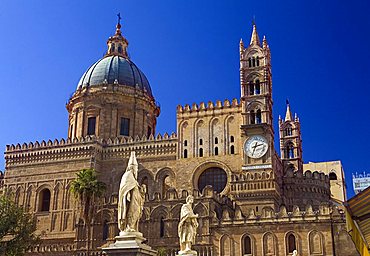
256,146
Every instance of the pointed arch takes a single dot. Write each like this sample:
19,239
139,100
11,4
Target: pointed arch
291,242
165,177
289,150
201,209
175,211
68,199
182,129
146,177
247,245
44,200
288,130
198,139
215,134
226,246
159,218
316,243
19,195
28,197
57,189
269,244
229,135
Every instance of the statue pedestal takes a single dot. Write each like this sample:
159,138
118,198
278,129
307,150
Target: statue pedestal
187,253
129,244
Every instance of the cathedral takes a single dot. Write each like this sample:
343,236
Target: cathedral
251,199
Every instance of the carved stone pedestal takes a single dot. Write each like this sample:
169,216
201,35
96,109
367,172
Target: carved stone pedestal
129,244
187,253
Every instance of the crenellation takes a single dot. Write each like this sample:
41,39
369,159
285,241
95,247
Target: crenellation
226,103
194,107
83,147
218,104
209,107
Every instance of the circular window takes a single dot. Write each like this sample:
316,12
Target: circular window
214,176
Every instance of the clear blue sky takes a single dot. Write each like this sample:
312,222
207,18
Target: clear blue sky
189,52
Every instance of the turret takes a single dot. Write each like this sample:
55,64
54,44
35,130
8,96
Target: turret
290,141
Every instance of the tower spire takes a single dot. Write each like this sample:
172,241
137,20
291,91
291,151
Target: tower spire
255,40
288,114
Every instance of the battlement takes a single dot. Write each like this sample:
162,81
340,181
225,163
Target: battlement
88,139
325,212
308,176
87,147
209,107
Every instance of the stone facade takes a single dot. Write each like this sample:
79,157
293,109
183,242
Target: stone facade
248,205
334,170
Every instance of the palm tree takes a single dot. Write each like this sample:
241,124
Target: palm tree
87,189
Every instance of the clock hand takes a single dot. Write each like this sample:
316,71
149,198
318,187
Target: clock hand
254,148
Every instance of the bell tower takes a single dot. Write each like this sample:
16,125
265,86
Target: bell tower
290,141
260,160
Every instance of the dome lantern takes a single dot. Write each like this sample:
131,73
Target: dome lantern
117,44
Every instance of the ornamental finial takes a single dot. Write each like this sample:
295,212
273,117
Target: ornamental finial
119,18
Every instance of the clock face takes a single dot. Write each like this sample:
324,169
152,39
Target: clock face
256,146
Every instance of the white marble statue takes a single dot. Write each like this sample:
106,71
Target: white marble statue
187,227
295,253
131,198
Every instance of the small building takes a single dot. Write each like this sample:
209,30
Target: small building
360,181
334,170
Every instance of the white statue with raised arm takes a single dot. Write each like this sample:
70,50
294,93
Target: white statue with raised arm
187,228
131,198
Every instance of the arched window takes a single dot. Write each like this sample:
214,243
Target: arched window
291,246
289,150
71,131
125,126
232,150
216,151
288,131
105,230
200,152
185,143
145,181
258,117
251,88
231,138
258,61
44,203
216,140
214,176
253,62
249,62
253,117
257,88
185,153
161,228
247,246
332,176
120,48
200,142
91,123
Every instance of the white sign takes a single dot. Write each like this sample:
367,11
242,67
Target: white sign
254,167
